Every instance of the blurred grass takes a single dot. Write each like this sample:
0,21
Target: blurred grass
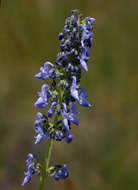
104,153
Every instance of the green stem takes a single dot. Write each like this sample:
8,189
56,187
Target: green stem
45,166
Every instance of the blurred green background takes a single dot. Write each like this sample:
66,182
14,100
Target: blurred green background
104,152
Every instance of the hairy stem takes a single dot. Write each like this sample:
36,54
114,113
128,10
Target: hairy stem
45,166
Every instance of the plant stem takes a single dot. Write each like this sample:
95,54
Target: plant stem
45,166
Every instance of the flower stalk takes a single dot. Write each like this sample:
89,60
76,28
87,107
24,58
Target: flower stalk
45,165
61,95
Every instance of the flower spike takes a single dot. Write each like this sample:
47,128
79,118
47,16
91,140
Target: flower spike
61,94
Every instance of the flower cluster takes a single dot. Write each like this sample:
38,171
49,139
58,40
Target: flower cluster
58,172
32,168
75,41
63,88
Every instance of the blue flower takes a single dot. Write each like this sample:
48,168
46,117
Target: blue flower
73,114
40,129
26,180
52,109
61,172
66,124
75,11
62,58
74,20
82,98
46,72
90,22
84,58
86,38
42,101
73,34
60,36
68,117
59,135
31,168
66,30
74,89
